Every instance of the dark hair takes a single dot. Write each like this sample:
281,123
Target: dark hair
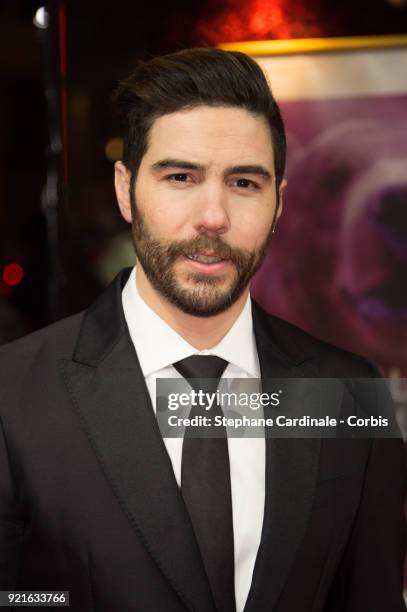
191,78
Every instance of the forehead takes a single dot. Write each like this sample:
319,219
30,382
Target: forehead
211,134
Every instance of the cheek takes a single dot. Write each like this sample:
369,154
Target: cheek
160,213
167,224
251,227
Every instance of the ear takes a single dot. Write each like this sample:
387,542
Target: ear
122,187
281,190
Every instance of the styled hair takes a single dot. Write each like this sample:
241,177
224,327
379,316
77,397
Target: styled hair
187,79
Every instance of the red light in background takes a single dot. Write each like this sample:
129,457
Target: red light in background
266,17
242,20
13,274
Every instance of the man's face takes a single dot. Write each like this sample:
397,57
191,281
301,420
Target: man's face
203,206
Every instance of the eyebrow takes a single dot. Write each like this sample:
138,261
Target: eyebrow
186,165
176,163
249,169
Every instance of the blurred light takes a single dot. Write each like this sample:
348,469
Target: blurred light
397,3
41,18
249,20
13,274
114,149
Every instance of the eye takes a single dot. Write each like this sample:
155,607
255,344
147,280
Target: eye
178,178
245,184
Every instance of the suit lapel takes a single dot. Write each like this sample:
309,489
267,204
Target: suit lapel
109,393
291,474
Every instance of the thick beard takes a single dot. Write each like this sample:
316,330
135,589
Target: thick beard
206,298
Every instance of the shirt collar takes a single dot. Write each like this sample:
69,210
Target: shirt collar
158,345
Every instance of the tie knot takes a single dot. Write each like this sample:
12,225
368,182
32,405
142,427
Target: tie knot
201,366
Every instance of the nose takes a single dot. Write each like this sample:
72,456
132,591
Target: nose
211,215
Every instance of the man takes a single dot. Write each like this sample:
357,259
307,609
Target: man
92,498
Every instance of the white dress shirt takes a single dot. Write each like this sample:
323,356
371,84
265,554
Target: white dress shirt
158,346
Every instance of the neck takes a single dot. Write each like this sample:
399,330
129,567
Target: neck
201,332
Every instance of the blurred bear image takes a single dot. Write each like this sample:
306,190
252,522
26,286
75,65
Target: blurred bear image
337,265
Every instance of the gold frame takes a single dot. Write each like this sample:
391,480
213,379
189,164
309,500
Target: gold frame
315,45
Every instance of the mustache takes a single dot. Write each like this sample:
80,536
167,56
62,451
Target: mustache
207,243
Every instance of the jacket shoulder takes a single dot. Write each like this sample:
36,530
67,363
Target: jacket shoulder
30,362
58,339
299,345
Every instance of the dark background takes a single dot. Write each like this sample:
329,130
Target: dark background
68,246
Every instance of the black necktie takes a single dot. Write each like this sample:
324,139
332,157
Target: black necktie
205,484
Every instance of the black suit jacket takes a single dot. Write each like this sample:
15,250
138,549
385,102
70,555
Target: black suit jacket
89,502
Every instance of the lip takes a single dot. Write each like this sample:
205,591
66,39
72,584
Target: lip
199,266
207,253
